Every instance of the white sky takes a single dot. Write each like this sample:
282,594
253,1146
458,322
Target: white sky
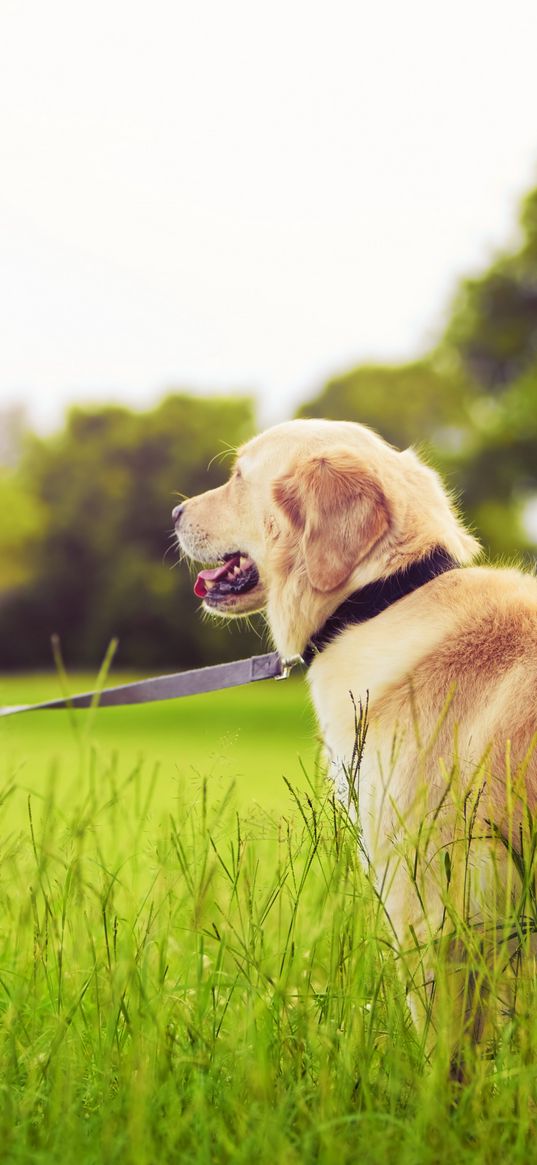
227,194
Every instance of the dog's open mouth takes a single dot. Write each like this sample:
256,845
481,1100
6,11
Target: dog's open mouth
236,575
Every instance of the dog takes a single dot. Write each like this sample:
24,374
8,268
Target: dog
357,556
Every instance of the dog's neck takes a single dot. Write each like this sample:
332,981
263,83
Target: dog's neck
374,598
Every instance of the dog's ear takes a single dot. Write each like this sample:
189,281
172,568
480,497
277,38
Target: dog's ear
341,511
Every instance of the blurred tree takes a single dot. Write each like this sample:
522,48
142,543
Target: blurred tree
492,339
22,519
471,404
13,425
85,518
404,402
493,325
102,564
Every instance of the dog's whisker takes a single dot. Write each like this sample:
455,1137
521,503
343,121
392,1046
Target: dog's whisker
228,451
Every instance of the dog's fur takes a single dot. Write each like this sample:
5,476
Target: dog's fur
450,671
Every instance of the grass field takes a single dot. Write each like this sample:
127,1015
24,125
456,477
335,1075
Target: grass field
251,736
193,966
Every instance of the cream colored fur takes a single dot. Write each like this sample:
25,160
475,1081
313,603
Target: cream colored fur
450,671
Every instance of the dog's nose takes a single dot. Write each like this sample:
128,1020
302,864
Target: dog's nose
176,513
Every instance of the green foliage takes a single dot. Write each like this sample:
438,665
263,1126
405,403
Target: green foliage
493,335
86,545
493,326
101,561
189,983
472,403
22,520
217,734
408,403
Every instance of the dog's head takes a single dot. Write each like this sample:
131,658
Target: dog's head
312,511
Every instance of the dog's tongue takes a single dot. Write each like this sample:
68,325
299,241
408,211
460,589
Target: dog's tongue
212,575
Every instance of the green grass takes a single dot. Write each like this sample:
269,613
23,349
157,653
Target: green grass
252,736
191,972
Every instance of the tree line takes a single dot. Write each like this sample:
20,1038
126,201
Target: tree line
86,541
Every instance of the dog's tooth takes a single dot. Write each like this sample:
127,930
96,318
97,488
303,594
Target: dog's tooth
209,585
236,570
243,561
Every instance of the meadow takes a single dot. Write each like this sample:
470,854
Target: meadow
193,964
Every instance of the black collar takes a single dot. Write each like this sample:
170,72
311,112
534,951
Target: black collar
377,596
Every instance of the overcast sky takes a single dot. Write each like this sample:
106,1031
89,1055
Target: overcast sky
228,194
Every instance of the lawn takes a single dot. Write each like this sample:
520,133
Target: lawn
194,966
250,736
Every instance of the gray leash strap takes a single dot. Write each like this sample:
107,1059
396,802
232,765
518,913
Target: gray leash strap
187,683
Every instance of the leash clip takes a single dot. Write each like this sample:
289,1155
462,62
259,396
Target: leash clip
287,664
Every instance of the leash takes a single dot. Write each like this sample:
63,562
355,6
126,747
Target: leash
172,687
357,608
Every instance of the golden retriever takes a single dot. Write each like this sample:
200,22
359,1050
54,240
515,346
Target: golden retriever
314,512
